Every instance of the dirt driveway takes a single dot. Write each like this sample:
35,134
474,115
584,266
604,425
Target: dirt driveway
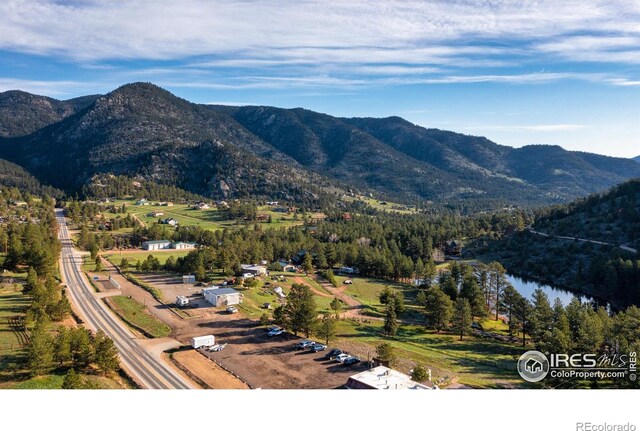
272,362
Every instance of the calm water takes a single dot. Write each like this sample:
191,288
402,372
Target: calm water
526,289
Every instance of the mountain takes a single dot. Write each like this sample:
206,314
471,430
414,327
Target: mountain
588,246
289,154
612,217
141,129
12,175
23,113
637,159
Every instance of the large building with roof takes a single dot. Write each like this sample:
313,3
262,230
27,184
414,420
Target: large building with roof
382,377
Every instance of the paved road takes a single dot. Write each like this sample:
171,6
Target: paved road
571,238
149,371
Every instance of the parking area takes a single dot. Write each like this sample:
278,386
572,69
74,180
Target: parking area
172,286
259,360
273,362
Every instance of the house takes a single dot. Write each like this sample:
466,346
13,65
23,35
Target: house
254,269
166,204
220,296
286,266
382,377
188,279
184,245
155,214
142,202
262,217
201,206
162,244
170,221
453,248
312,230
467,254
182,301
346,216
272,203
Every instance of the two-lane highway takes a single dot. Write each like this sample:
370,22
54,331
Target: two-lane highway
148,371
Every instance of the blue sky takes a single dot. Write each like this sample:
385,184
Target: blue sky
525,72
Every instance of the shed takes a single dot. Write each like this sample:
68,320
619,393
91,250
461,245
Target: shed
220,296
188,279
254,269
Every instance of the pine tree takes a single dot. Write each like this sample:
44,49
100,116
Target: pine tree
307,263
40,354
32,281
106,354
398,302
439,308
72,381
327,329
98,264
462,318
300,310
386,353
390,322
81,347
265,320
541,316
448,285
419,373
63,346
336,306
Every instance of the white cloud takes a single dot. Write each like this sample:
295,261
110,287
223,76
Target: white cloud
294,31
52,88
531,128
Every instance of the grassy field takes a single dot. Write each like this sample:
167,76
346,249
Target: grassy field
12,304
55,381
13,375
474,362
379,205
255,297
211,219
136,315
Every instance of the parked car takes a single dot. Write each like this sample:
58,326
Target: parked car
342,357
217,347
333,353
231,309
304,344
318,347
348,282
352,360
275,331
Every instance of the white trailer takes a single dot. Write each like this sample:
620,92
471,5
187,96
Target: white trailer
203,341
182,301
